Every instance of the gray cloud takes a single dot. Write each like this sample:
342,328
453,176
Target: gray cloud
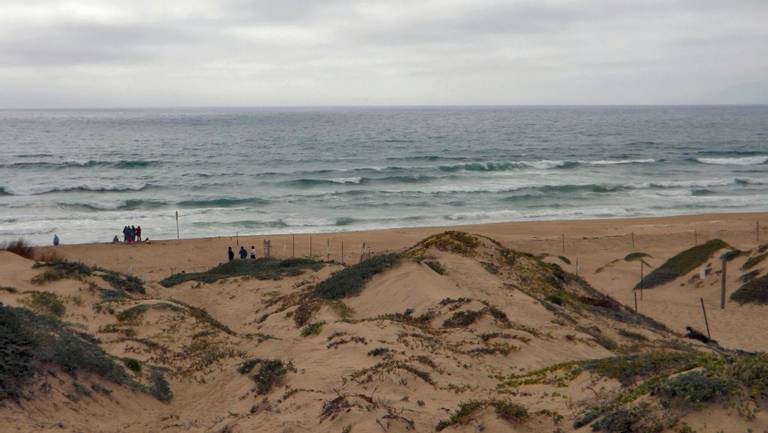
296,52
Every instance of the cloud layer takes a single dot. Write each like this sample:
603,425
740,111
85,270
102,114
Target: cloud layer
62,53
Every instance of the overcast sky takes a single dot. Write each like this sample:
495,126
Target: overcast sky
83,53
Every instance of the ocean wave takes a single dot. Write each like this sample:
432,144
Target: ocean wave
84,188
222,202
744,160
3,192
133,204
121,164
744,181
246,224
309,183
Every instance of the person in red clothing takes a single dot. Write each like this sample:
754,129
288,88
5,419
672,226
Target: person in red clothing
138,234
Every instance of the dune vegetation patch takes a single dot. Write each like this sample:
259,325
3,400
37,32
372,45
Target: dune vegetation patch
262,269
45,303
450,241
754,261
20,247
467,411
63,269
633,257
29,341
350,281
387,367
133,314
667,380
754,291
268,373
682,263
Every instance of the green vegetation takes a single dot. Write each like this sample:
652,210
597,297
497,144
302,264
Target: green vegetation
451,241
754,261
312,329
262,269
271,373
350,281
111,295
379,351
633,257
632,335
682,263
127,283
8,289
564,259
29,340
463,318
755,292
20,247
506,410
45,303
134,313
435,266
695,387
159,387
132,364
61,270
202,316
389,366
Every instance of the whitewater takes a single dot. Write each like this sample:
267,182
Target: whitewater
84,174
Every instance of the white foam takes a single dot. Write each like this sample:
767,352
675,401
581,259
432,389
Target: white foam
746,160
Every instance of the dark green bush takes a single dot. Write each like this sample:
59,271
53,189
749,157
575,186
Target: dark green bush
695,387
271,373
20,247
435,266
755,292
262,269
463,318
350,281
754,261
159,387
28,340
682,263
312,329
132,364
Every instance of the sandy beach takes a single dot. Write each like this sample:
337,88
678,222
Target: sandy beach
333,380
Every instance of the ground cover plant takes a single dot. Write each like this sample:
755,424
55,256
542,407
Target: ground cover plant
682,263
263,269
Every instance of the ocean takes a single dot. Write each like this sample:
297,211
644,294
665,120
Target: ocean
84,174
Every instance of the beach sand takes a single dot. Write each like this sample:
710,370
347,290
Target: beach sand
326,390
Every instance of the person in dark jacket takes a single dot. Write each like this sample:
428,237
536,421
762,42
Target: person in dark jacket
230,254
243,253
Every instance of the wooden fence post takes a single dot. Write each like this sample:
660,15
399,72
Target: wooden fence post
722,284
706,322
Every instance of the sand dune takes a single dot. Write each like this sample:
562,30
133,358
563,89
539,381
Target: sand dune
461,332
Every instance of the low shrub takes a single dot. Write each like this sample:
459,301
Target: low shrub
754,261
45,303
695,387
132,364
271,373
350,281
682,263
379,351
752,292
435,266
262,269
312,329
29,340
463,415
159,387
463,318
20,247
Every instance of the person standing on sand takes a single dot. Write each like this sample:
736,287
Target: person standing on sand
243,253
138,233
230,254
253,252
56,240
125,234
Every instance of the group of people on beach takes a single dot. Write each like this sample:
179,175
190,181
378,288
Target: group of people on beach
131,234
242,253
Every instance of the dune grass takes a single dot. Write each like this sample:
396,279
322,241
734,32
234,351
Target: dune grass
682,263
29,341
270,373
350,281
20,247
465,413
63,269
752,292
262,269
45,303
754,261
